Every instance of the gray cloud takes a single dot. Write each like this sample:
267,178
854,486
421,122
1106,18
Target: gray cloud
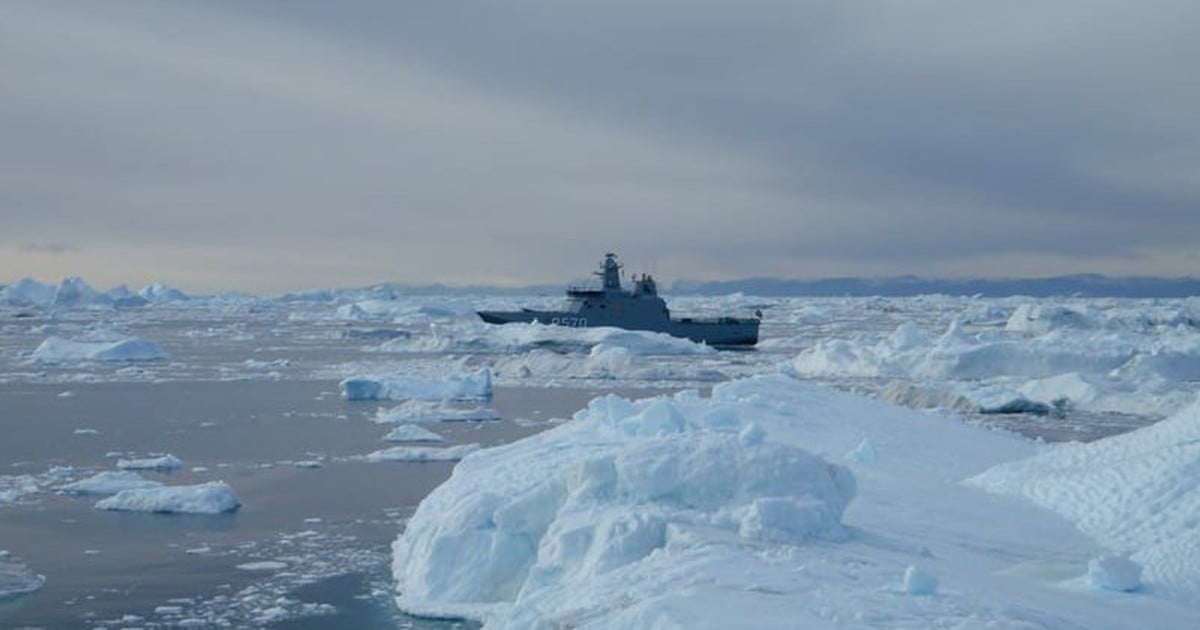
294,143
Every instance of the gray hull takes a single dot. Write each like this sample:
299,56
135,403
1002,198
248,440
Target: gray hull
640,308
724,331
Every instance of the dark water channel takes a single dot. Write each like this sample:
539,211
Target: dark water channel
324,533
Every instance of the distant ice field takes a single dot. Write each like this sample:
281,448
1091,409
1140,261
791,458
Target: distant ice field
1069,368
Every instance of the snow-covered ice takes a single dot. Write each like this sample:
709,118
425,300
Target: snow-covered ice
213,497
1137,493
657,513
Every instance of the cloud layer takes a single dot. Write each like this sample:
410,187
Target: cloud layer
297,144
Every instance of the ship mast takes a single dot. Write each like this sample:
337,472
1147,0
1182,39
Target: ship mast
610,270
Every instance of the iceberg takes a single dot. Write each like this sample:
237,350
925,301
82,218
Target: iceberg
728,511
159,293
214,497
27,292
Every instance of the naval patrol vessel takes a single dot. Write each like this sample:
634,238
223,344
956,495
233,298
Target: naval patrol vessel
636,309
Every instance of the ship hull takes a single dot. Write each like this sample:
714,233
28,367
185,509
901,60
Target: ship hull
725,331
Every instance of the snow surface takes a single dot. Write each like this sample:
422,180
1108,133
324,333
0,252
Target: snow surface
668,512
1137,493
109,482
455,386
55,349
213,497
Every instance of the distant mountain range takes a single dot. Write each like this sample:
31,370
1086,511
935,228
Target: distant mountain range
1083,285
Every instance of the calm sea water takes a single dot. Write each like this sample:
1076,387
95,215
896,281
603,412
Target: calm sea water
323,533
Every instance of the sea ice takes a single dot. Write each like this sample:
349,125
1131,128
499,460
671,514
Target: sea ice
412,433
57,349
16,579
421,453
166,462
415,411
109,482
263,565
207,498
456,386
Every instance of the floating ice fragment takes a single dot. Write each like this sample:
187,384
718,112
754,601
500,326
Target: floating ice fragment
455,386
207,498
263,565
166,462
421,453
16,579
109,482
412,433
56,349
433,411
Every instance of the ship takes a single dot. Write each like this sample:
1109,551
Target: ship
639,308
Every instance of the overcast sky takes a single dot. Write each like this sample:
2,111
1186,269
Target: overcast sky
282,145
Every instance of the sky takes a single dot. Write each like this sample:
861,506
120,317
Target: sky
282,145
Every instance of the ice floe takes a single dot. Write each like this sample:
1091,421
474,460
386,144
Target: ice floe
109,482
57,349
214,497
164,462
421,453
412,433
455,386
415,411
16,579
